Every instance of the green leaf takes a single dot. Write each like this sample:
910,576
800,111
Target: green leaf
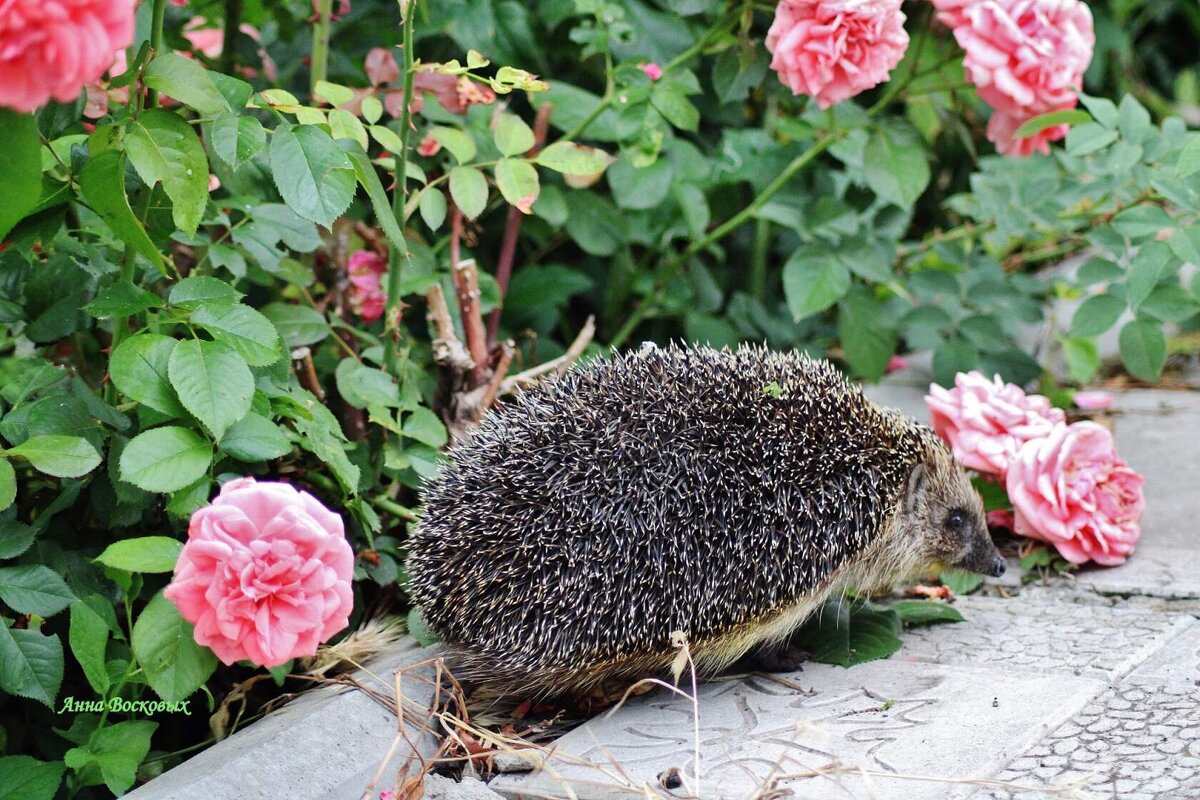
1096,315
164,644
31,664
433,208
469,189
88,638
1143,349
518,182
102,182
15,538
1145,271
163,147
419,629
1187,166
245,330
298,325
8,485
1103,109
1133,120
34,589
21,166
381,204
670,101
960,581
424,426
165,459
1082,357
236,139
200,289
915,613
313,175
122,299
143,554
513,137
26,778
896,164
869,344
1041,122
574,159
1141,222
1089,137
333,93
186,81
255,438
459,143
138,368
115,751
813,280
845,636
344,125
213,383
60,456
362,386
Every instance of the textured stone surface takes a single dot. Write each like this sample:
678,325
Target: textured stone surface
1178,663
1044,631
326,745
885,717
1133,743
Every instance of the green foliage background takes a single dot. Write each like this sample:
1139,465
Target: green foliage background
158,338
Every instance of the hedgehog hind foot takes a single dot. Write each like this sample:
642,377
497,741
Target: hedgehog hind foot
788,657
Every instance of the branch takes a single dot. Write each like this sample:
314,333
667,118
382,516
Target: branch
466,284
556,366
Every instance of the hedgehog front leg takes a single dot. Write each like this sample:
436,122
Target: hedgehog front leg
775,657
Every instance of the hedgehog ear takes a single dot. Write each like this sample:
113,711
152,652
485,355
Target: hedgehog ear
918,482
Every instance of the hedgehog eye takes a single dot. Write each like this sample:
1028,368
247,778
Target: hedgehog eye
956,520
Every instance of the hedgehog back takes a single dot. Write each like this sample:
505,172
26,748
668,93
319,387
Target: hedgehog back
667,489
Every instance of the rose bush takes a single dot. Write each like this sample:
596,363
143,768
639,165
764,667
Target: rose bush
232,257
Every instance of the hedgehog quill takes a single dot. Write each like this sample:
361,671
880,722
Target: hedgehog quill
722,494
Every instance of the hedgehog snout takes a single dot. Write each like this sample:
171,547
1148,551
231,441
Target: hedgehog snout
999,567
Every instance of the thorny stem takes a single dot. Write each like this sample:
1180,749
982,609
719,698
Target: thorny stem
320,46
399,254
233,23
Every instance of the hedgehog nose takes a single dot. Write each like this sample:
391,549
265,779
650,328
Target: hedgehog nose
998,567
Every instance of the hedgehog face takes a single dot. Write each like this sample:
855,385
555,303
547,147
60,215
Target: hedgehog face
944,514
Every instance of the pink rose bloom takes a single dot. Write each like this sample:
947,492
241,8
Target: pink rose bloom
986,421
53,48
1094,401
1070,489
1001,519
265,574
653,71
1025,57
896,364
367,297
381,66
1002,129
952,13
834,49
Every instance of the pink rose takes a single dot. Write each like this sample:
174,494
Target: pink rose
381,66
1070,489
1025,57
896,364
986,421
653,71
265,574
1094,400
951,13
367,297
1002,129
835,49
53,48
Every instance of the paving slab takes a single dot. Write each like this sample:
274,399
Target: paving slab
1175,664
325,745
1049,631
888,718
1134,742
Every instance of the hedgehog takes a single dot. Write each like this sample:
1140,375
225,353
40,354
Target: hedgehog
724,495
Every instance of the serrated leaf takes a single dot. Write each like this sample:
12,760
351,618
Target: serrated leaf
670,101
960,581
869,344
138,368
1189,158
419,629
213,382
518,183
846,636
1082,357
344,125
163,148
31,665
364,173
34,589
333,93
102,182
26,778
183,79
1089,137
255,438
237,139
570,158
915,613
1143,349
312,173
115,751
15,538
298,325
896,164
150,554
122,299
1145,270
165,459
459,143
469,189
813,280
164,644
197,290
433,207
424,426
21,166
8,486
244,329
1096,315
60,456
88,638
513,137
